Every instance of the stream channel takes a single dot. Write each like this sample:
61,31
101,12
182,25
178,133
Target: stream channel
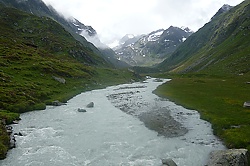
128,126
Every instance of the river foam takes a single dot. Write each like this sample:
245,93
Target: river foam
107,136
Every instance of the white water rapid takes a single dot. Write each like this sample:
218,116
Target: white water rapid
108,136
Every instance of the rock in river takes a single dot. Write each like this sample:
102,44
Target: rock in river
168,162
230,157
90,105
81,110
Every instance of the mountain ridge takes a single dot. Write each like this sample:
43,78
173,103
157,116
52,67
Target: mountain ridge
84,34
212,46
146,50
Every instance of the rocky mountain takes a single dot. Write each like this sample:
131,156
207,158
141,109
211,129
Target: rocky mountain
127,40
222,10
83,33
146,50
220,47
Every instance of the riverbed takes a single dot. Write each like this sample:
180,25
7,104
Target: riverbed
128,126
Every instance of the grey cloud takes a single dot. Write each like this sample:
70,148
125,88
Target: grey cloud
112,19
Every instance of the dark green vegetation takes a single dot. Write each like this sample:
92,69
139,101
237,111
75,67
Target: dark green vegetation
7,118
41,62
211,74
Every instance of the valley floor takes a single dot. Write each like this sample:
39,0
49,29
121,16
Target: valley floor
219,100
127,125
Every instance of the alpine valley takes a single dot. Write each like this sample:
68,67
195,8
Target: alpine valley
46,58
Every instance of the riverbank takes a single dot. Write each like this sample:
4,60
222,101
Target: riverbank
219,100
108,135
24,96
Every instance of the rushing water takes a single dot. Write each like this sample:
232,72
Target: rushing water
113,132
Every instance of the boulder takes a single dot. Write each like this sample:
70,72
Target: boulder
230,157
81,110
90,105
18,134
57,103
168,162
246,104
158,80
61,80
12,143
15,122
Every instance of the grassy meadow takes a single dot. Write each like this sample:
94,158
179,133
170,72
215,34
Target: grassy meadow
219,100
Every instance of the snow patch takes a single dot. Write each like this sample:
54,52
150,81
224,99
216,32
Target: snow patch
183,39
155,36
130,36
75,24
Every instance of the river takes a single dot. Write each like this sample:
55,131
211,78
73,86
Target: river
128,126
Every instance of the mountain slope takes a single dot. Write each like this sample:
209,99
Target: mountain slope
41,62
152,48
33,51
221,46
39,8
77,29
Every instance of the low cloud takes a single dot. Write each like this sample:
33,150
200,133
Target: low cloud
93,39
112,19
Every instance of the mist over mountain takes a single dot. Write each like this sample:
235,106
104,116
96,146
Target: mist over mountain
39,8
83,33
146,50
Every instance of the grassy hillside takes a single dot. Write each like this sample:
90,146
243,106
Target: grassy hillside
39,8
221,46
41,62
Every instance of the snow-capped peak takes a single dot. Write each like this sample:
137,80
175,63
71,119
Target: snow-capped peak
186,29
154,36
130,36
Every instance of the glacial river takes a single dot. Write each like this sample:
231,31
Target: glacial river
128,126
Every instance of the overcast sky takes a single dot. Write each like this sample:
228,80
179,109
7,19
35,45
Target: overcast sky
112,19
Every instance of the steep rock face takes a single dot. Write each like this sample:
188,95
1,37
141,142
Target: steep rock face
152,48
221,46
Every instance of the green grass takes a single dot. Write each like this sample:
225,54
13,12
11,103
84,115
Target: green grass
4,142
219,100
8,117
34,50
